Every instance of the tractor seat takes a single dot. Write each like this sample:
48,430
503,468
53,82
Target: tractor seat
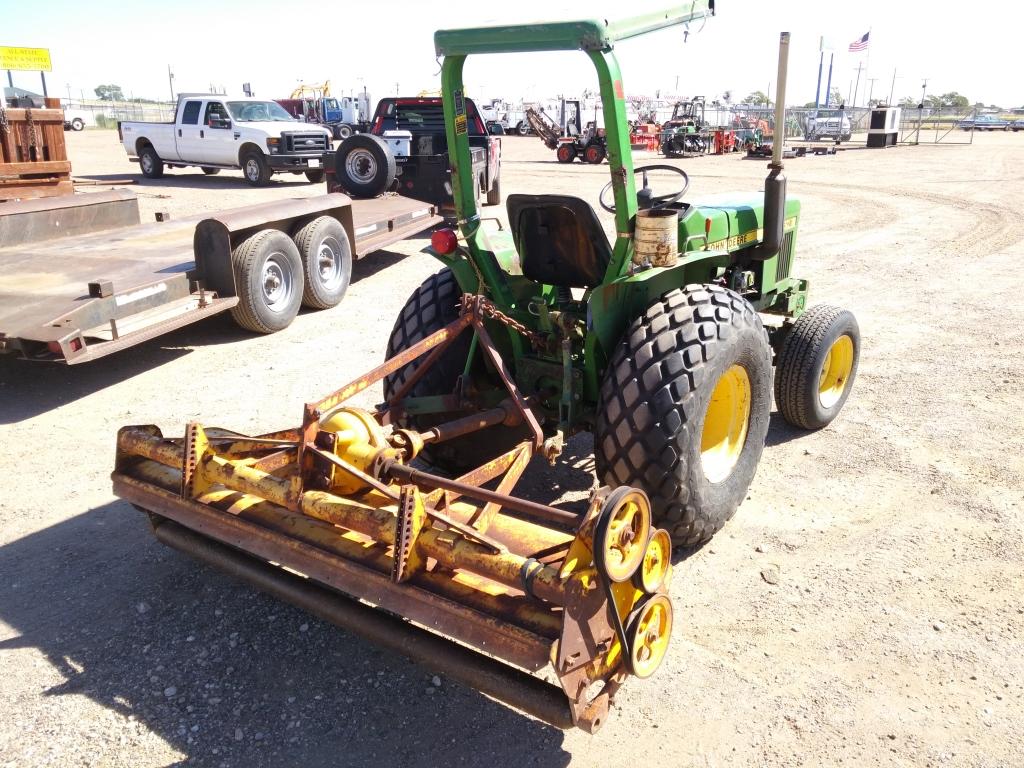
559,239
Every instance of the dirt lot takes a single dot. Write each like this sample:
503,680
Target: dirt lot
894,633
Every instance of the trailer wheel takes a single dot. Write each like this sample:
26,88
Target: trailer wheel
210,171
327,262
594,154
817,366
316,176
151,165
430,308
77,124
268,278
565,153
364,165
494,193
257,170
684,407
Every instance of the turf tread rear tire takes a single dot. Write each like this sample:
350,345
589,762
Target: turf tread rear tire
244,258
799,365
652,401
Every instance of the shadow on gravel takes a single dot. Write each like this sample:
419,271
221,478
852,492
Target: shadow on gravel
228,676
781,431
29,388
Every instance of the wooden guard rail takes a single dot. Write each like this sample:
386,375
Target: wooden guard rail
33,159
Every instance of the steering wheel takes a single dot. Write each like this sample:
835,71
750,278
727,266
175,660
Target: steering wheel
645,197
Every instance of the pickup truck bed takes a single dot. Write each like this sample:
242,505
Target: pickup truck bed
80,297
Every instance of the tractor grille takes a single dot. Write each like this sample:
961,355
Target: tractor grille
304,142
785,262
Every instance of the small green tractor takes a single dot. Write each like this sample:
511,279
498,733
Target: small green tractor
667,355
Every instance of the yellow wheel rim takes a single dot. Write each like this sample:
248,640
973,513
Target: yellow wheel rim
725,424
625,538
835,371
649,634
657,561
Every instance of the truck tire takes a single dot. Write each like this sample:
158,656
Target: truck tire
494,193
684,407
150,164
77,124
565,153
268,279
326,262
343,131
315,176
817,366
255,167
523,128
210,171
364,166
430,308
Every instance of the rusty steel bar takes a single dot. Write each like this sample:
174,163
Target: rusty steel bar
533,616
449,430
482,519
393,365
406,474
516,688
506,377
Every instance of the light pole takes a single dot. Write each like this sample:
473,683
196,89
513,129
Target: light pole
170,81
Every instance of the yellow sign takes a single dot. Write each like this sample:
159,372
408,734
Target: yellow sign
25,59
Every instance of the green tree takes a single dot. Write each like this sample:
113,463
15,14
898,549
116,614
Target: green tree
757,97
109,93
909,101
954,99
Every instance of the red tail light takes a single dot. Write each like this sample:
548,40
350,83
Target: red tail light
444,241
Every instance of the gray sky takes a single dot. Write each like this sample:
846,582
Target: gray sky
276,44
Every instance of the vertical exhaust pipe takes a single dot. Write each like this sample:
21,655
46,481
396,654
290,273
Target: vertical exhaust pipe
775,184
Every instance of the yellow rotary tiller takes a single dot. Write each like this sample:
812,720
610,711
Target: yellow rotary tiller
549,611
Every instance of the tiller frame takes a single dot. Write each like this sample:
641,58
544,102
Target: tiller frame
333,508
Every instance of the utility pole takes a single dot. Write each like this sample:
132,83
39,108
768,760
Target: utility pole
920,111
871,88
856,87
170,80
396,89
68,86
892,90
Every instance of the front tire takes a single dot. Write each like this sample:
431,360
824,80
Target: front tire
315,177
343,131
78,124
268,276
817,366
210,171
684,408
494,193
327,262
256,169
565,153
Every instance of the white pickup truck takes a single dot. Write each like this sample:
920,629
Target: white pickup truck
214,132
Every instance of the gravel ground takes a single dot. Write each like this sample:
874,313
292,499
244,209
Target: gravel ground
888,630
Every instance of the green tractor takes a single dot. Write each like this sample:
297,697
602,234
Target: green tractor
662,343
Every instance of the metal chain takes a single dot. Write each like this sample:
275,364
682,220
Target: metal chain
5,125
33,135
486,308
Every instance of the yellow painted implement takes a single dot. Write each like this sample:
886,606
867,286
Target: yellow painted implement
543,609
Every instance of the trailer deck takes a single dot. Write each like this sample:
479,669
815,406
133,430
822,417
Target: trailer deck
79,297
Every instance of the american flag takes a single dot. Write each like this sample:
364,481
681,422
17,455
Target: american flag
860,43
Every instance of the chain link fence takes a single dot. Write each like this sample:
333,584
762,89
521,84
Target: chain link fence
106,114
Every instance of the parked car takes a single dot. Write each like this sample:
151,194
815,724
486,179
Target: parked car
1016,125
828,124
76,119
406,150
984,123
212,132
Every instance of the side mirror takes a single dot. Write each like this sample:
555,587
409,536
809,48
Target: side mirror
220,122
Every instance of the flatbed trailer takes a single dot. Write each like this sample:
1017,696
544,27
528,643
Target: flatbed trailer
82,278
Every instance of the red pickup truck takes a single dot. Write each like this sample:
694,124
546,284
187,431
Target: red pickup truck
406,151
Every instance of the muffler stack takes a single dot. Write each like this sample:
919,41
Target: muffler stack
560,608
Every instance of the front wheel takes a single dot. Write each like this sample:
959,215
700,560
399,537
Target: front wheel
210,171
566,153
315,177
817,366
77,124
494,193
343,131
523,128
684,408
257,170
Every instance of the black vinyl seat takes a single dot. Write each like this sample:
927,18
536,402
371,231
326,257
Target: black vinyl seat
559,239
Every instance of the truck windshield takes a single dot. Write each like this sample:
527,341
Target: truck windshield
258,112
